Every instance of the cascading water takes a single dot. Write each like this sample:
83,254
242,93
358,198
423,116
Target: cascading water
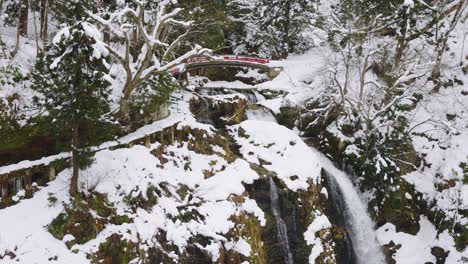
250,95
358,221
359,224
260,113
282,231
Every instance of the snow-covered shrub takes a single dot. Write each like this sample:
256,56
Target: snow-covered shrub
151,97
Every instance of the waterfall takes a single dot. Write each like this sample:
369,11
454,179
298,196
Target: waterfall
358,221
250,95
259,113
282,231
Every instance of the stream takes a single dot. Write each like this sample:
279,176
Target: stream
282,231
356,218
345,197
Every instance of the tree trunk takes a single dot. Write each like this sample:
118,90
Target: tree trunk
44,20
35,28
106,32
75,164
23,18
124,111
1,6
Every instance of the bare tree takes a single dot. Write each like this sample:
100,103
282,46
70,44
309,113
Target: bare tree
134,24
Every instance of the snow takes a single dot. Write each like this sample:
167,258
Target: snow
279,150
129,171
240,246
180,115
427,238
26,234
226,84
252,73
231,185
319,223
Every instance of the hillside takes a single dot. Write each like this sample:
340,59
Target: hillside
235,131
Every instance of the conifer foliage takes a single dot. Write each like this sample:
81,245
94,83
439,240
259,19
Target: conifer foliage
74,92
272,28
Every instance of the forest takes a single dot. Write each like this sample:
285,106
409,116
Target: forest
234,131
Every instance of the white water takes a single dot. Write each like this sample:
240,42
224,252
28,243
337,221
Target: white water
361,227
359,223
260,113
282,231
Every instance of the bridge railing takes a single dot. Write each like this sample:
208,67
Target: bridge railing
202,59
245,59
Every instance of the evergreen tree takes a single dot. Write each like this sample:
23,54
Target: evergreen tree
274,28
10,15
74,92
210,22
71,11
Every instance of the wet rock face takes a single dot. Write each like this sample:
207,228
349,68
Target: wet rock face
293,218
296,210
219,111
336,208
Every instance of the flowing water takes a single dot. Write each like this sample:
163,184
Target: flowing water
347,200
251,96
282,231
260,113
358,222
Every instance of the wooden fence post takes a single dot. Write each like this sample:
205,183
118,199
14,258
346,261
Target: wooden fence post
162,137
51,173
147,141
172,134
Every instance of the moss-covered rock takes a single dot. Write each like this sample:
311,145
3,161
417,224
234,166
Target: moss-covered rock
220,112
78,223
116,250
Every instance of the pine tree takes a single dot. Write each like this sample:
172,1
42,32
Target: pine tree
71,11
74,92
274,28
10,15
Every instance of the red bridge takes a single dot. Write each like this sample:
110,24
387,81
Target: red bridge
202,62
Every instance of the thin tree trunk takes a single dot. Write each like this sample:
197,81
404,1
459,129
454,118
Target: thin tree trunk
75,165
1,7
23,18
18,29
36,37
44,20
106,32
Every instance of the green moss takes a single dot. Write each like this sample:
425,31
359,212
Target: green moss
289,115
100,204
120,219
183,191
440,254
139,201
461,240
58,226
115,250
78,220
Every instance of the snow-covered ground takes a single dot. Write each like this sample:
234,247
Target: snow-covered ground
440,121
128,172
